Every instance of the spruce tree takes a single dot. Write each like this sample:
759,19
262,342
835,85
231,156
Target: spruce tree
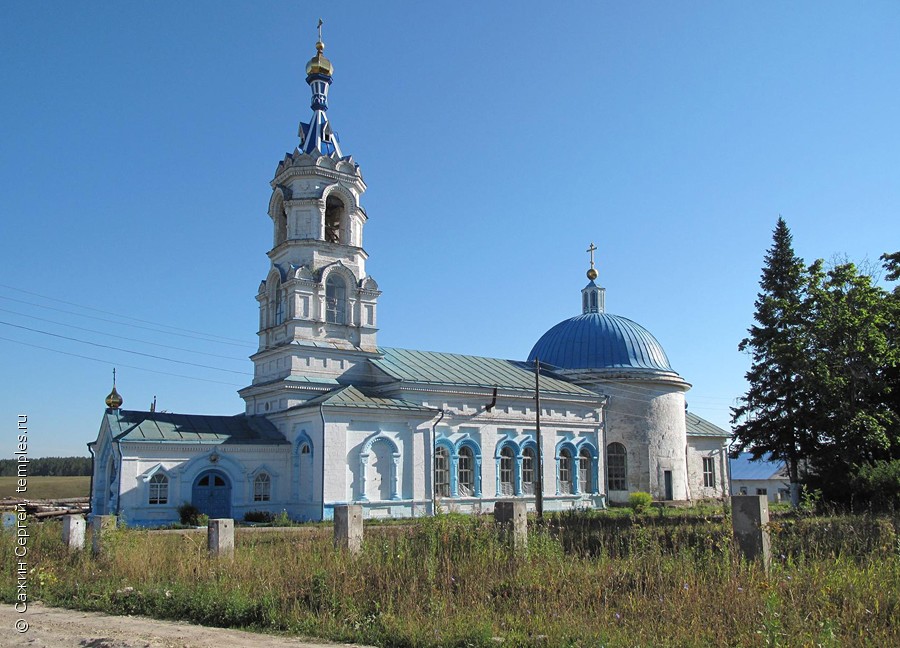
773,417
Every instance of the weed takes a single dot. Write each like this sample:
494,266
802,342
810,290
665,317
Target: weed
585,579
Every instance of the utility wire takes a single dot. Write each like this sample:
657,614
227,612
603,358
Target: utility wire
122,337
97,310
106,346
118,364
148,328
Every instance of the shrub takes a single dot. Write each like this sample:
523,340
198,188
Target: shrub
878,484
190,515
640,501
264,517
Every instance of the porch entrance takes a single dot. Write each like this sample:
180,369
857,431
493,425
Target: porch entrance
212,494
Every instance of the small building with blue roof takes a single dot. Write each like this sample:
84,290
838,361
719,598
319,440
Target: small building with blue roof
763,476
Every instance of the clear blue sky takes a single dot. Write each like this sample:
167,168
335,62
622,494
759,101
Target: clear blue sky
497,139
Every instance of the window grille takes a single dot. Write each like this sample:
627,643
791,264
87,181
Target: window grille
465,473
528,464
585,475
262,488
159,489
335,301
279,307
709,472
442,472
506,472
565,472
617,467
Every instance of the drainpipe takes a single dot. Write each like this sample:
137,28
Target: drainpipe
687,471
726,472
322,452
119,477
93,466
433,451
602,451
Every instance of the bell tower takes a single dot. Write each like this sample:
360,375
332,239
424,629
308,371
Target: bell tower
317,305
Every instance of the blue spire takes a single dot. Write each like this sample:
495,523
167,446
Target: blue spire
317,135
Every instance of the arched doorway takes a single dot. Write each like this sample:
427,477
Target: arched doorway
211,494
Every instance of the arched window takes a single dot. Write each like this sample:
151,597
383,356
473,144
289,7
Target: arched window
159,489
335,300
585,471
304,449
262,488
528,464
279,307
565,472
593,301
507,472
441,472
617,467
334,216
465,471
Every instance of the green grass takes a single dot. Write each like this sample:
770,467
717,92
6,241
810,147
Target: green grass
451,581
46,487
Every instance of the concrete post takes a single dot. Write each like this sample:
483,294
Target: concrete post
220,538
348,527
749,517
100,527
73,532
511,517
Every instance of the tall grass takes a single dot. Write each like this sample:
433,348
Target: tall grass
452,581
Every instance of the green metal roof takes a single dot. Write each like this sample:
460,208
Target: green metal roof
452,369
698,427
163,427
351,397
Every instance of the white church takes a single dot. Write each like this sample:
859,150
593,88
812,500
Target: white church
332,418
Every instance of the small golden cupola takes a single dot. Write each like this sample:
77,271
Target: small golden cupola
114,400
318,64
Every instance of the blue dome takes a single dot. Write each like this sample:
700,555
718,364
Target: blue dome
600,341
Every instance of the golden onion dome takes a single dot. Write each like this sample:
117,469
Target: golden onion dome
591,274
318,64
114,400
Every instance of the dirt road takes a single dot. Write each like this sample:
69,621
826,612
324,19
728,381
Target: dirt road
59,628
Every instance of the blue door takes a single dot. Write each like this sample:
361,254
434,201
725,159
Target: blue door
212,494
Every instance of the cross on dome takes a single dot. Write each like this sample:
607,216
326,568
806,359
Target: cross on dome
592,273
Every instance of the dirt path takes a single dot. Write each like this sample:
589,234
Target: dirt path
60,628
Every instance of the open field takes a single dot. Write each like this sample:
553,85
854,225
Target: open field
446,581
47,487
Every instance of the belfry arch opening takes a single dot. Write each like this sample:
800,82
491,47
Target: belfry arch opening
335,215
